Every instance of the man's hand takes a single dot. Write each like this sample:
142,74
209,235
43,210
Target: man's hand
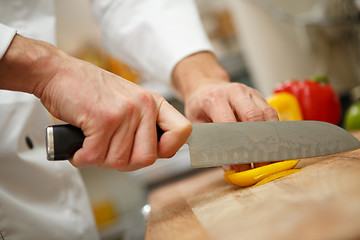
228,102
209,95
118,118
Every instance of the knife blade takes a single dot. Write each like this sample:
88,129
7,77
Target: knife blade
217,144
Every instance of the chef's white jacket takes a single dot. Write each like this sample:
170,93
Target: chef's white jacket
47,200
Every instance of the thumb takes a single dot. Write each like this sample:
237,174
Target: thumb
176,129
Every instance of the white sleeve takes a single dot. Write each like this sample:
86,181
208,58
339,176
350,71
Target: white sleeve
6,36
151,35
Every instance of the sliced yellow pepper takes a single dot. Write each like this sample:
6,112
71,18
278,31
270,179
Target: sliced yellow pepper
276,176
227,173
252,176
286,105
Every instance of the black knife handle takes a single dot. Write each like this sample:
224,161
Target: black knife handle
63,140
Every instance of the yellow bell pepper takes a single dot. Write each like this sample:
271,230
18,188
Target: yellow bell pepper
252,176
276,176
286,105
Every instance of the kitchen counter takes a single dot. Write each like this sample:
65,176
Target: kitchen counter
320,202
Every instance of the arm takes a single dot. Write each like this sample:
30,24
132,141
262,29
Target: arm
117,117
165,39
209,95
205,85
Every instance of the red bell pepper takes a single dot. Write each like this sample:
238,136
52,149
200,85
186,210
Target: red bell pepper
317,99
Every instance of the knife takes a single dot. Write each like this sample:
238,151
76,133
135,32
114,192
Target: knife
217,144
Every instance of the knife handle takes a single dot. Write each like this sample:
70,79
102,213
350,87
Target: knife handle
62,141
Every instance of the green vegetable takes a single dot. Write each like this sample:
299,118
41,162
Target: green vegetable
352,117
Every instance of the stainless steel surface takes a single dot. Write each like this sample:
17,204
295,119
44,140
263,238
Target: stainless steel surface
50,143
216,144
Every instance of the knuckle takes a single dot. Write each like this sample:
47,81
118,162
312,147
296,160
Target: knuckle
106,116
115,115
128,107
253,114
146,99
109,119
213,96
216,93
270,113
239,87
255,92
148,159
118,163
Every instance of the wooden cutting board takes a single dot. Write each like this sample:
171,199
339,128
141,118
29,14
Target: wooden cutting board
320,202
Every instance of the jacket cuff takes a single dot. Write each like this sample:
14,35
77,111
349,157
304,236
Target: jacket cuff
6,36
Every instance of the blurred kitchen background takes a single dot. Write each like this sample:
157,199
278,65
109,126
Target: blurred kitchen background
259,43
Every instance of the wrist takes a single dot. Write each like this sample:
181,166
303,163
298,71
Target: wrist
27,65
195,71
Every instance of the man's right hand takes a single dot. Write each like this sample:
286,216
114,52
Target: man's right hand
117,117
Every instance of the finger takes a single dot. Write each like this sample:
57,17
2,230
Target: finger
94,148
241,167
134,145
144,151
121,145
196,116
218,109
269,113
221,112
244,105
176,130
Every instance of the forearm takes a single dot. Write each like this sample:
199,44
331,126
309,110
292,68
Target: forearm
28,65
196,71
117,117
